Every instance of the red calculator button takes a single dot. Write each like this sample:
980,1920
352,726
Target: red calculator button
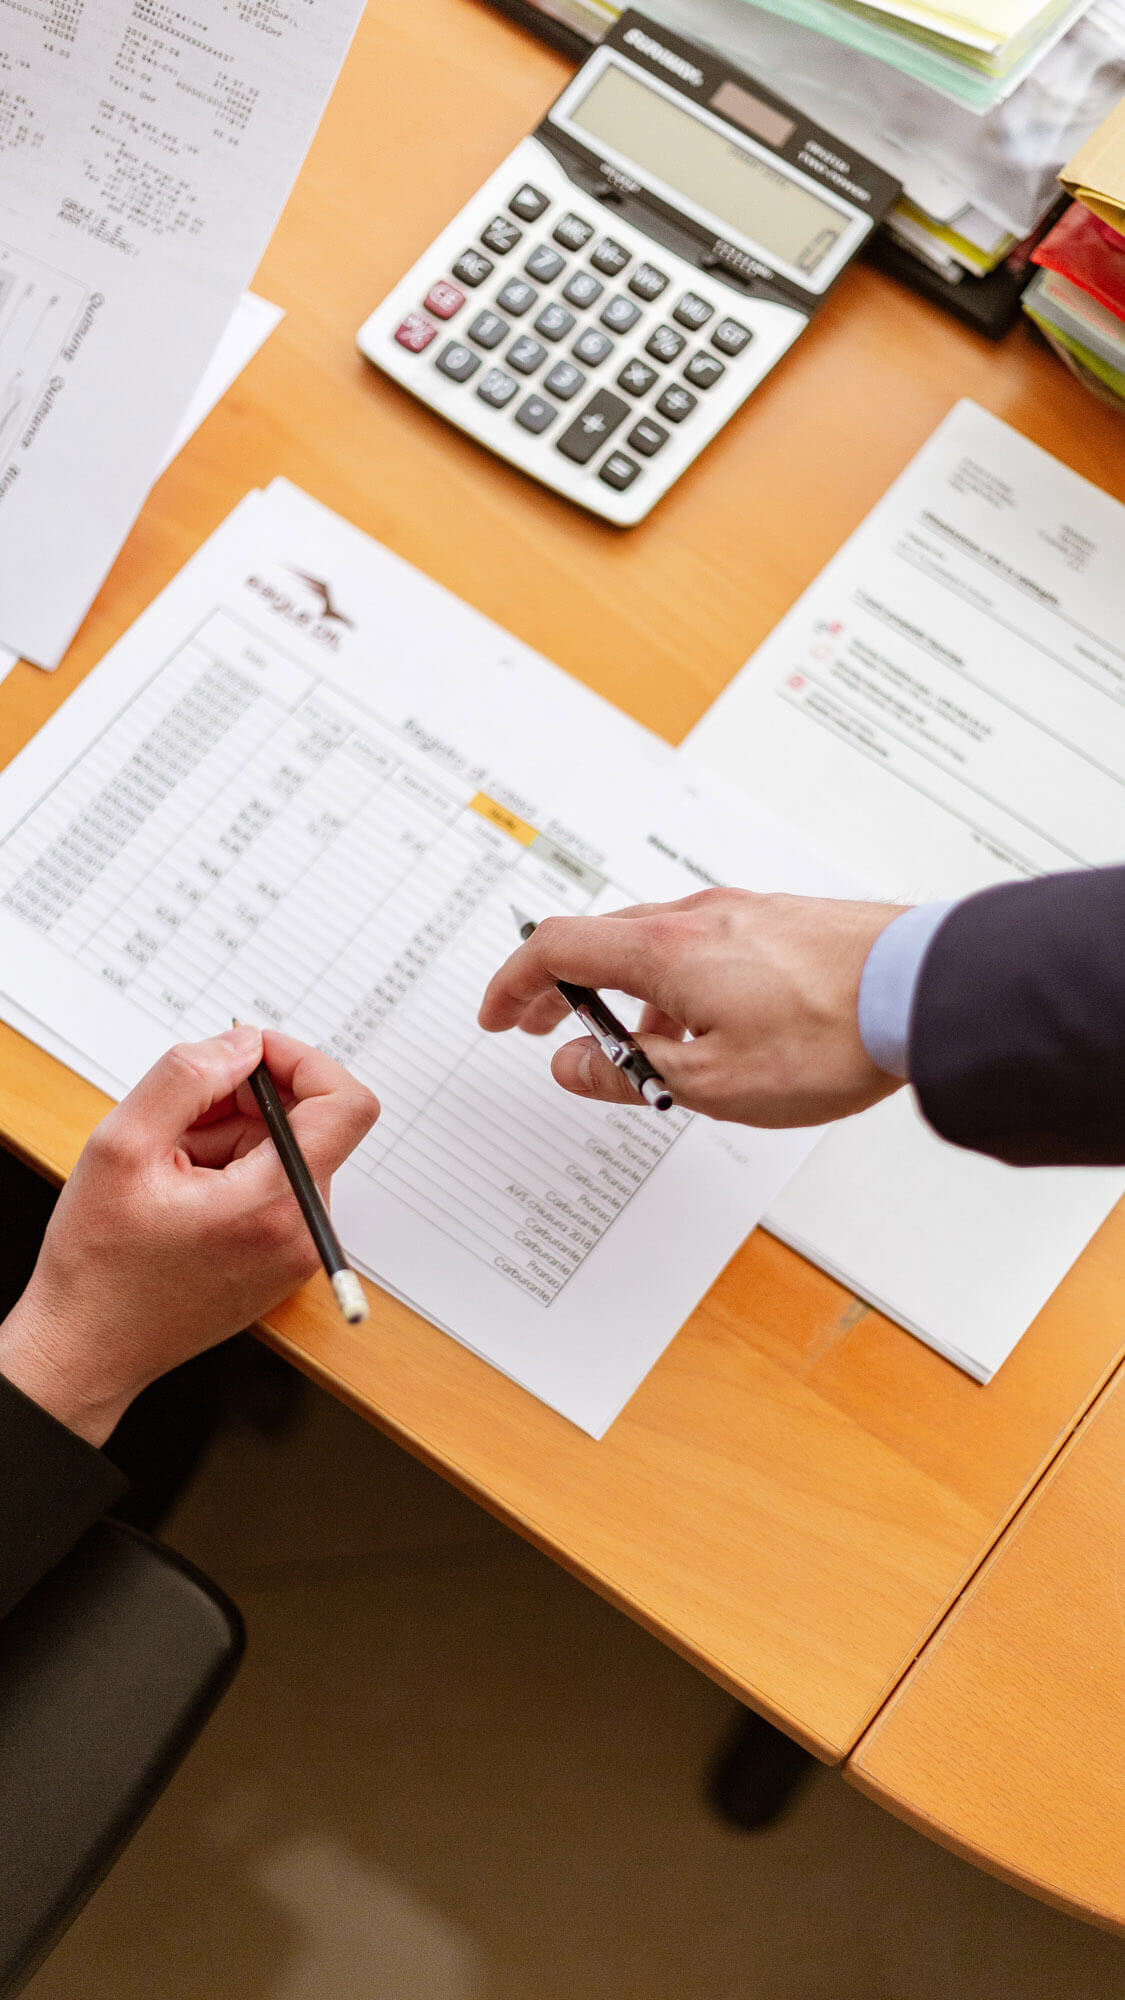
444,299
415,333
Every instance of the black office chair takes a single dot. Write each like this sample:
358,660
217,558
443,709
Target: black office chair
108,1670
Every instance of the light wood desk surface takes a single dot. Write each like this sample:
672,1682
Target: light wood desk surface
799,1490
1007,1740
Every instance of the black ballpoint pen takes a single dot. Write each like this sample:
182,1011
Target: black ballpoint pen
611,1035
348,1291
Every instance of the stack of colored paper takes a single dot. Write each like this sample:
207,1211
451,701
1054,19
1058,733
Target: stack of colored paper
975,53
1078,299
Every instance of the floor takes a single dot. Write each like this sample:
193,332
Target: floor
448,1772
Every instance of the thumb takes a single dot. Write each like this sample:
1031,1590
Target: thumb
183,1086
581,1067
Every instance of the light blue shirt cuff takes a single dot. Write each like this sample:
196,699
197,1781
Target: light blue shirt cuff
887,983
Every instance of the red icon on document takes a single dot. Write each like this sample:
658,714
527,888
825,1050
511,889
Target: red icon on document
797,681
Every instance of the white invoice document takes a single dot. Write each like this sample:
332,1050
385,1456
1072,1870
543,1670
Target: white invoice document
306,789
945,708
147,150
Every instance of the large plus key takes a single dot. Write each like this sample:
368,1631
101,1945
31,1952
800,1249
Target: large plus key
592,426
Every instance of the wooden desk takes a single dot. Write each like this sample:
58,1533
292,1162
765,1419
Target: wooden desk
799,1491
981,1747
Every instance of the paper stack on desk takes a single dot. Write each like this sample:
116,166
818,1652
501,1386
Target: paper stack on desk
943,709
1078,298
142,178
306,789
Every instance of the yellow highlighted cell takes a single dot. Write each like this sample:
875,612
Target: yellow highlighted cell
501,817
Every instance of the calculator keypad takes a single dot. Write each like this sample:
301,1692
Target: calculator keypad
543,264
536,414
664,343
609,257
516,297
619,314
529,203
692,311
501,235
444,299
572,232
554,322
583,290
564,380
730,336
525,354
591,427
488,329
703,370
472,268
592,347
562,286
458,362
497,388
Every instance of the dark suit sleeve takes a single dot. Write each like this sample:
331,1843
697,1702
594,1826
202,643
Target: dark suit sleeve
53,1486
1017,1031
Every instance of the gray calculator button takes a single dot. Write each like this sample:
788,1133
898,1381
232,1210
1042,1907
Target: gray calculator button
647,282
730,336
676,403
619,314
592,347
516,297
609,257
536,414
583,289
528,203
564,380
637,377
572,232
473,267
591,427
544,264
554,322
456,361
664,343
488,329
703,369
647,437
525,354
497,388
501,235
692,310
619,470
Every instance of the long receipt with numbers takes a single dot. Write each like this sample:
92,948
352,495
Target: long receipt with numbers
306,789
147,150
945,708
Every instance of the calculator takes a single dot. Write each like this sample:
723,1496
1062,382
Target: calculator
619,286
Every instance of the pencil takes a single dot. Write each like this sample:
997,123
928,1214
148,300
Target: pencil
350,1295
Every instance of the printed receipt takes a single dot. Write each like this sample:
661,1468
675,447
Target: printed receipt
945,708
127,127
306,790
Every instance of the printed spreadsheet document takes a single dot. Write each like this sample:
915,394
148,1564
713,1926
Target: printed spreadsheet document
945,708
306,789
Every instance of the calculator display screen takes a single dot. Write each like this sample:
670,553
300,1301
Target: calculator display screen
744,192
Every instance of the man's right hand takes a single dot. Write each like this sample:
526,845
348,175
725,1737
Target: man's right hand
767,987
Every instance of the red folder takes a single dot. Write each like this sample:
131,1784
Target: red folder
1090,253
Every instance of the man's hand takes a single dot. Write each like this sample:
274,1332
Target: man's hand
177,1226
767,987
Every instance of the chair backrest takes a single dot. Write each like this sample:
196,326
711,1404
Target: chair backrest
108,1670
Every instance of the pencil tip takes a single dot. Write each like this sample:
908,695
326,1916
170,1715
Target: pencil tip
524,924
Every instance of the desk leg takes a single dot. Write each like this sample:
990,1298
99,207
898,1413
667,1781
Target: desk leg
756,1774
